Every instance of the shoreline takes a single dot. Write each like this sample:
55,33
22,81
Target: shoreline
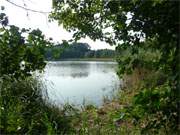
87,59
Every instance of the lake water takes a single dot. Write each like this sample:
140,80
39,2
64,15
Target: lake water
79,82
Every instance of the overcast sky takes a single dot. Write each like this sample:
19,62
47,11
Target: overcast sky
18,17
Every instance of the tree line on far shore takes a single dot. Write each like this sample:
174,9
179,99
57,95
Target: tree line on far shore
76,50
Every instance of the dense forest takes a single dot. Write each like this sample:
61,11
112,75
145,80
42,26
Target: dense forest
77,50
146,34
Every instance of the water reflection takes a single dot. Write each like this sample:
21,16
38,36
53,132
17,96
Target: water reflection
75,81
79,74
67,68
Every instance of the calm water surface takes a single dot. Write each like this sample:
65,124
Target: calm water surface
81,82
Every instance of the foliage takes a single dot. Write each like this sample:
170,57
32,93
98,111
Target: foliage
128,21
21,50
25,110
101,53
77,50
138,28
147,35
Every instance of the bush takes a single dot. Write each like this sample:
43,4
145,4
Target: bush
25,110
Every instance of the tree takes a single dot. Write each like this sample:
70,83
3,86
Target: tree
77,50
23,108
20,55
133,25
129,21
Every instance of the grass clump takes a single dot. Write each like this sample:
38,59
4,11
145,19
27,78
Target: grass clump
25,110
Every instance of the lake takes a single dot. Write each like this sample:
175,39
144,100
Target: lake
81,82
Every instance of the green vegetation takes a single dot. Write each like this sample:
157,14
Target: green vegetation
146,34
77,50
24,109
23,100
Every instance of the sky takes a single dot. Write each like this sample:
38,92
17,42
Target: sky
27,19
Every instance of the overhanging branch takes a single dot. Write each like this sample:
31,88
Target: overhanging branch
27,9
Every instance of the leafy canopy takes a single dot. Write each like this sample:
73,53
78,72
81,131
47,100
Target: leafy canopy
21,50
126,23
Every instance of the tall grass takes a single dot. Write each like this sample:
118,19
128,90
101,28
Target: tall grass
25,110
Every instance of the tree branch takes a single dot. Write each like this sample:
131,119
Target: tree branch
28,9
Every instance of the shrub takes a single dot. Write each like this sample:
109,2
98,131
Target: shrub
25,110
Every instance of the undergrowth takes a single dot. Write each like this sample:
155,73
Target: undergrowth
24,109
